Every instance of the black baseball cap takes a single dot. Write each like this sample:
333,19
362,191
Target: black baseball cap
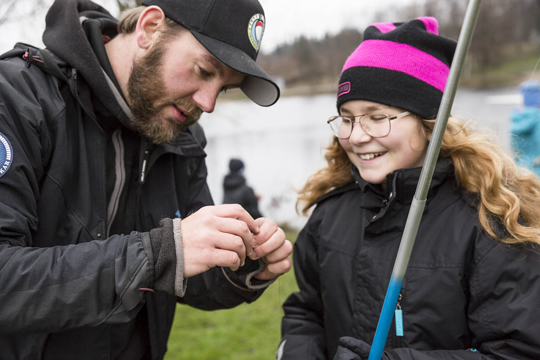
232,31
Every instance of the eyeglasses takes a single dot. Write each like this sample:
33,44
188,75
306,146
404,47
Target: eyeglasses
375,125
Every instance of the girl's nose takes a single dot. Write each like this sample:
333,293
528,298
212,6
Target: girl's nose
359,135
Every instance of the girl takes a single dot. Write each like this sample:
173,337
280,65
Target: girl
472,288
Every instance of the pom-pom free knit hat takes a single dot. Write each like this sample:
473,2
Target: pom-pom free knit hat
236,165
232,31
403,65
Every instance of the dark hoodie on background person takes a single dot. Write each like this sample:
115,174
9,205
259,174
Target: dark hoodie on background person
74,287
236,191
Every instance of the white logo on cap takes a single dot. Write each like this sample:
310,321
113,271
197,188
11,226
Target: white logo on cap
256,30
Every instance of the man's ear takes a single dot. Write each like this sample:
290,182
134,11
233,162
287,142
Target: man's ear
146,32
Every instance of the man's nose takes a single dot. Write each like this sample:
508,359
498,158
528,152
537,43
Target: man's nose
205,99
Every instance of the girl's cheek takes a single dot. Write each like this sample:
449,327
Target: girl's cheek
344,143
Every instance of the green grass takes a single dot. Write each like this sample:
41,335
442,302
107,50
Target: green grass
249,331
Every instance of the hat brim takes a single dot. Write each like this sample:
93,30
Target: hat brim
257,85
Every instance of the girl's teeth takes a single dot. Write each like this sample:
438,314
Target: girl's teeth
369,156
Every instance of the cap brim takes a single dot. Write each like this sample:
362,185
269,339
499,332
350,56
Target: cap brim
257,85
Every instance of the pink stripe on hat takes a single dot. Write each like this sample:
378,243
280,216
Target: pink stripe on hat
384,27
400,57
432,25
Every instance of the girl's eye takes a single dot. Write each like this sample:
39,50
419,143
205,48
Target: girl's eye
377,117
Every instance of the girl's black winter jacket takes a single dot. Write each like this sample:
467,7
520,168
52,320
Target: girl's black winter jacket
462,290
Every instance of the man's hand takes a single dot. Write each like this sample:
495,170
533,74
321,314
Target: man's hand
273,248
221,235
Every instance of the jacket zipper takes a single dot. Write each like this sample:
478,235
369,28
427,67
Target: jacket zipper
100,236
143,163
76,92
120,170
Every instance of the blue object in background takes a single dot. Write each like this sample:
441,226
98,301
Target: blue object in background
525,130
525,127
531,93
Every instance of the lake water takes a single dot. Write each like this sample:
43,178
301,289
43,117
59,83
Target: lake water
282,145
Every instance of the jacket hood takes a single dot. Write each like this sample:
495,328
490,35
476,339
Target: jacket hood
64,36
233,181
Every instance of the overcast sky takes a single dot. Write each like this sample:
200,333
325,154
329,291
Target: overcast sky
286,19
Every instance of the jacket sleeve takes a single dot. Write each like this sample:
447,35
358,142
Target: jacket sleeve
504,308
61,287
302,326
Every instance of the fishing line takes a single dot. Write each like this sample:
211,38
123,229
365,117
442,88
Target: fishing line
535,67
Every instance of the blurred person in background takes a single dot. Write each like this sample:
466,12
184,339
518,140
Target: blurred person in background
236,190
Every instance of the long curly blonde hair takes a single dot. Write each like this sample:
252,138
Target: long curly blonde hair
506,193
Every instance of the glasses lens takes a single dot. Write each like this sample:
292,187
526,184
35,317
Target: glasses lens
376,125
341,127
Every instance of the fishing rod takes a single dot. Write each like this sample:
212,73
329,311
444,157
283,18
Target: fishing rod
419,200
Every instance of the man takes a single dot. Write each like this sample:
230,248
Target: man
236,191
99,151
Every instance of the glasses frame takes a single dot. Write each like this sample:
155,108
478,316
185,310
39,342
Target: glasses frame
389,117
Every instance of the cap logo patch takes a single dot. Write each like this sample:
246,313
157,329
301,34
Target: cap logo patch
6,154
344,88
256,30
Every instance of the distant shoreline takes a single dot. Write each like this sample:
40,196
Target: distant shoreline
484,81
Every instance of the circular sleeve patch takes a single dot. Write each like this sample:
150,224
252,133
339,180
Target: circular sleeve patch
6,154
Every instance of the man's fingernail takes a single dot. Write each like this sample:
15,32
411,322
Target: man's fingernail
254,242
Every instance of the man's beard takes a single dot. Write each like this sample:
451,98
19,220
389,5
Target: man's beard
147,98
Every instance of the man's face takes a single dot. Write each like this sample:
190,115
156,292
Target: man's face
173,83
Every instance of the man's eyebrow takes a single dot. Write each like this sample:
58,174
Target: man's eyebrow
215,63
219,68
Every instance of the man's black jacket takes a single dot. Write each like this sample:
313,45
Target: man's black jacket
70,287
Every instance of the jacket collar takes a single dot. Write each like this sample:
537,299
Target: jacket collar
401,185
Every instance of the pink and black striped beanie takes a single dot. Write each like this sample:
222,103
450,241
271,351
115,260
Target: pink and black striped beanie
403,65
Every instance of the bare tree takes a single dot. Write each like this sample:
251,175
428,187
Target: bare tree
13,11
5,9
